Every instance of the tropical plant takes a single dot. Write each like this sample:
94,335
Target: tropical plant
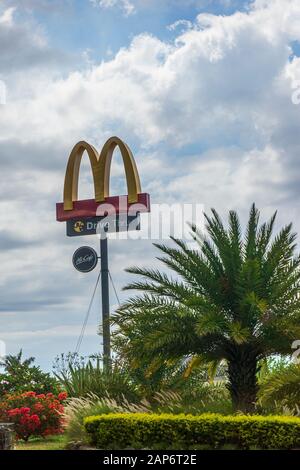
33,414
79,408
11,362
63,361
88,377
212,398
280,388
236,298
164,376
20,374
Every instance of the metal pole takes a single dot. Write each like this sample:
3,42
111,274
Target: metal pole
105,302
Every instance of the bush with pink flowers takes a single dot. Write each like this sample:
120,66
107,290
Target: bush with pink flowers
33,414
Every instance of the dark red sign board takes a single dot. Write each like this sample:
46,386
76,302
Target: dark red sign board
113,205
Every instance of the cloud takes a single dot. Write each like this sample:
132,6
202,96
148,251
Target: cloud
7,16
59,331
143,89
126,6
25,51
9,241
185,24
129,7
209,117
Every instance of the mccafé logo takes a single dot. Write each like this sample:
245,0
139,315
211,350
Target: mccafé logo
102,204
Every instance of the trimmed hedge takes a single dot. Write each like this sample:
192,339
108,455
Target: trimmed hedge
167,431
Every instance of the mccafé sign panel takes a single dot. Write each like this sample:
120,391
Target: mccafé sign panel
85,259
103,204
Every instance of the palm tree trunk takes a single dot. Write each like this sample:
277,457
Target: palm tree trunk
242,375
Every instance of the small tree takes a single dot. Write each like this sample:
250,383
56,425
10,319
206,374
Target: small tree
21,375
236,298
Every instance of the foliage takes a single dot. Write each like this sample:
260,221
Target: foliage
166,376
212,398
271,365
81,379
236,299
19,375
189,386
63,361
140,430
281,388
79,408
208,398
33,414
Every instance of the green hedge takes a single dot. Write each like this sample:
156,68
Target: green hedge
167,431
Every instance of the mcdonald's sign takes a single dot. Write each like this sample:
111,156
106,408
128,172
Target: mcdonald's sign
103,204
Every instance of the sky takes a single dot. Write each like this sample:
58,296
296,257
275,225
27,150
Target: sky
206,94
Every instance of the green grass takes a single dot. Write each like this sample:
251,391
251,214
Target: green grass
50,443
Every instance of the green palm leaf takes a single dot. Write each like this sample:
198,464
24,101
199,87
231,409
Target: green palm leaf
234,299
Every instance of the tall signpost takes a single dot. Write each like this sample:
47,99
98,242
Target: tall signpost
102,215
105,301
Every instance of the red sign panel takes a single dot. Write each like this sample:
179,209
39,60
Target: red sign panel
113,205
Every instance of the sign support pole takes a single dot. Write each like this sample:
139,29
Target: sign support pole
105,302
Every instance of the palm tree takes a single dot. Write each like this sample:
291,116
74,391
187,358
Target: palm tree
235,298
11,363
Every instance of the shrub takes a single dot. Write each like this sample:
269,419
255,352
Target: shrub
33,414
81,379
79,408
281,388
20,374
209,398
141,430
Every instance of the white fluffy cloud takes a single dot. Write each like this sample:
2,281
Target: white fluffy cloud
219,80
210,117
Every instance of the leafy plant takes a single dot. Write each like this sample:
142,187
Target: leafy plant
281,388
19,375
33,414
167,431
208,398
79,408
236,299
63,361
82,379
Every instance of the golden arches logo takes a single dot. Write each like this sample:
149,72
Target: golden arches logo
78,226
101,168
101,165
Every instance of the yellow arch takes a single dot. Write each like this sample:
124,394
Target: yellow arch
72,173
101,166
131,172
